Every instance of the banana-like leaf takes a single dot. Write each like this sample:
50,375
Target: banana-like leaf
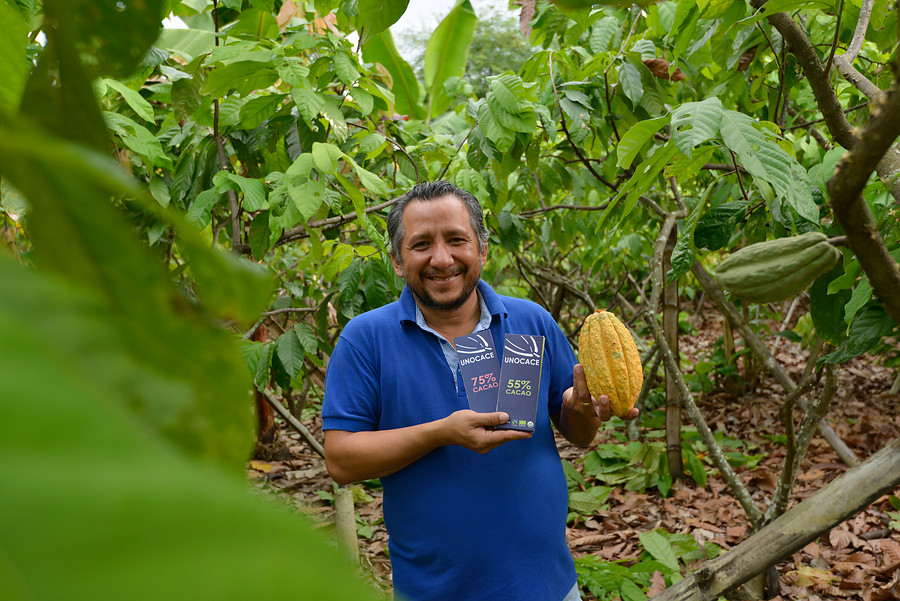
381,49
447,54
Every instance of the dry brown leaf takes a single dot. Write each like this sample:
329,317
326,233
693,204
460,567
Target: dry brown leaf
810,475
841,539
594,540
660,68
657,584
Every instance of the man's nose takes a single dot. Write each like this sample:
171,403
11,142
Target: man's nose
441,256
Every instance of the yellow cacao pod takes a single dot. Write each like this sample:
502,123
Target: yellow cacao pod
612,365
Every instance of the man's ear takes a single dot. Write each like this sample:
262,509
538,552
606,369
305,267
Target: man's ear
484,254
398,266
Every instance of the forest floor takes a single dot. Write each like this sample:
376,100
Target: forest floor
859,560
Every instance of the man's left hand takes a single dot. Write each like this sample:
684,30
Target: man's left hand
579,400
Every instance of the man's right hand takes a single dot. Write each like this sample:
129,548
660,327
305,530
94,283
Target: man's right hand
471,430
354,456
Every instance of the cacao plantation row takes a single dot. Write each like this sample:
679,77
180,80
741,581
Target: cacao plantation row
194,212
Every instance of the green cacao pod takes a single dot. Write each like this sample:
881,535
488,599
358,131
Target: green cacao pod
775,270
612,365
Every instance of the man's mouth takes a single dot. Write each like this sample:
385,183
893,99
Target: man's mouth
442,278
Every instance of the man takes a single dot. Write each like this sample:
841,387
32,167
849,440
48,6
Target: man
473,513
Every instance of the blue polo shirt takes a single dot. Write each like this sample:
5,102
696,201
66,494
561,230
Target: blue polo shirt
463,526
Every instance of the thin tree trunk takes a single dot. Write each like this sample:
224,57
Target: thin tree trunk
670,330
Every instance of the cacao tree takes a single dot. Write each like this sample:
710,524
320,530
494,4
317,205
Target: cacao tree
257,151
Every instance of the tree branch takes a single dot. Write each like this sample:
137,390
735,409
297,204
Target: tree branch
850,208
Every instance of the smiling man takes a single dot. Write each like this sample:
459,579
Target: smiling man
473,513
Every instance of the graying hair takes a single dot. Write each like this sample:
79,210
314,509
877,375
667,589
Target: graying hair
432,191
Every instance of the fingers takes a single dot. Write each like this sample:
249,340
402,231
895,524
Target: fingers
579,386
604,411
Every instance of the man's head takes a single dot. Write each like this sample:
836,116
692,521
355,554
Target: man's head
429,191
438,244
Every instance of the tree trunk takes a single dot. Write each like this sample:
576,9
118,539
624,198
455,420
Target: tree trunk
670,330
834,503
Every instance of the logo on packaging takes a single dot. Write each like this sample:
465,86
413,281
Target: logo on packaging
480,370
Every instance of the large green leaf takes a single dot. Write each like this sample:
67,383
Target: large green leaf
376,16
694,123
635,138
405,86
103,510
768,163
447,54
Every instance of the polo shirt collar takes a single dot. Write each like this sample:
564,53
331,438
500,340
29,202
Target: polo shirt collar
491,299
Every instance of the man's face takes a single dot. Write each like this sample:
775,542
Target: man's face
439,256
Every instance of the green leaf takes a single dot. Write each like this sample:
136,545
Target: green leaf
309,102
139,139
369,180
256,110
115,38
14,66
867,330
290,353
630,81
376,16
591,501
719,224
307,337
308,196
345,67
635,138
254,190
827,310
243,77
694,123
501,136
602,33
630,591
660,549
350,279
80,236
381,49
768,163
292,70
231,285
326,156
137,102
447,53
860,296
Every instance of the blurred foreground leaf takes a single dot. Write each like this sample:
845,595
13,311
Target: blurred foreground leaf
96,507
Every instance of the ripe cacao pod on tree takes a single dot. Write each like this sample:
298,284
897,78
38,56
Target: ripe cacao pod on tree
612,365
775,270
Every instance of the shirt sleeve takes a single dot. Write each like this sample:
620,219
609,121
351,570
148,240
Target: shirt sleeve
352,400
562,361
